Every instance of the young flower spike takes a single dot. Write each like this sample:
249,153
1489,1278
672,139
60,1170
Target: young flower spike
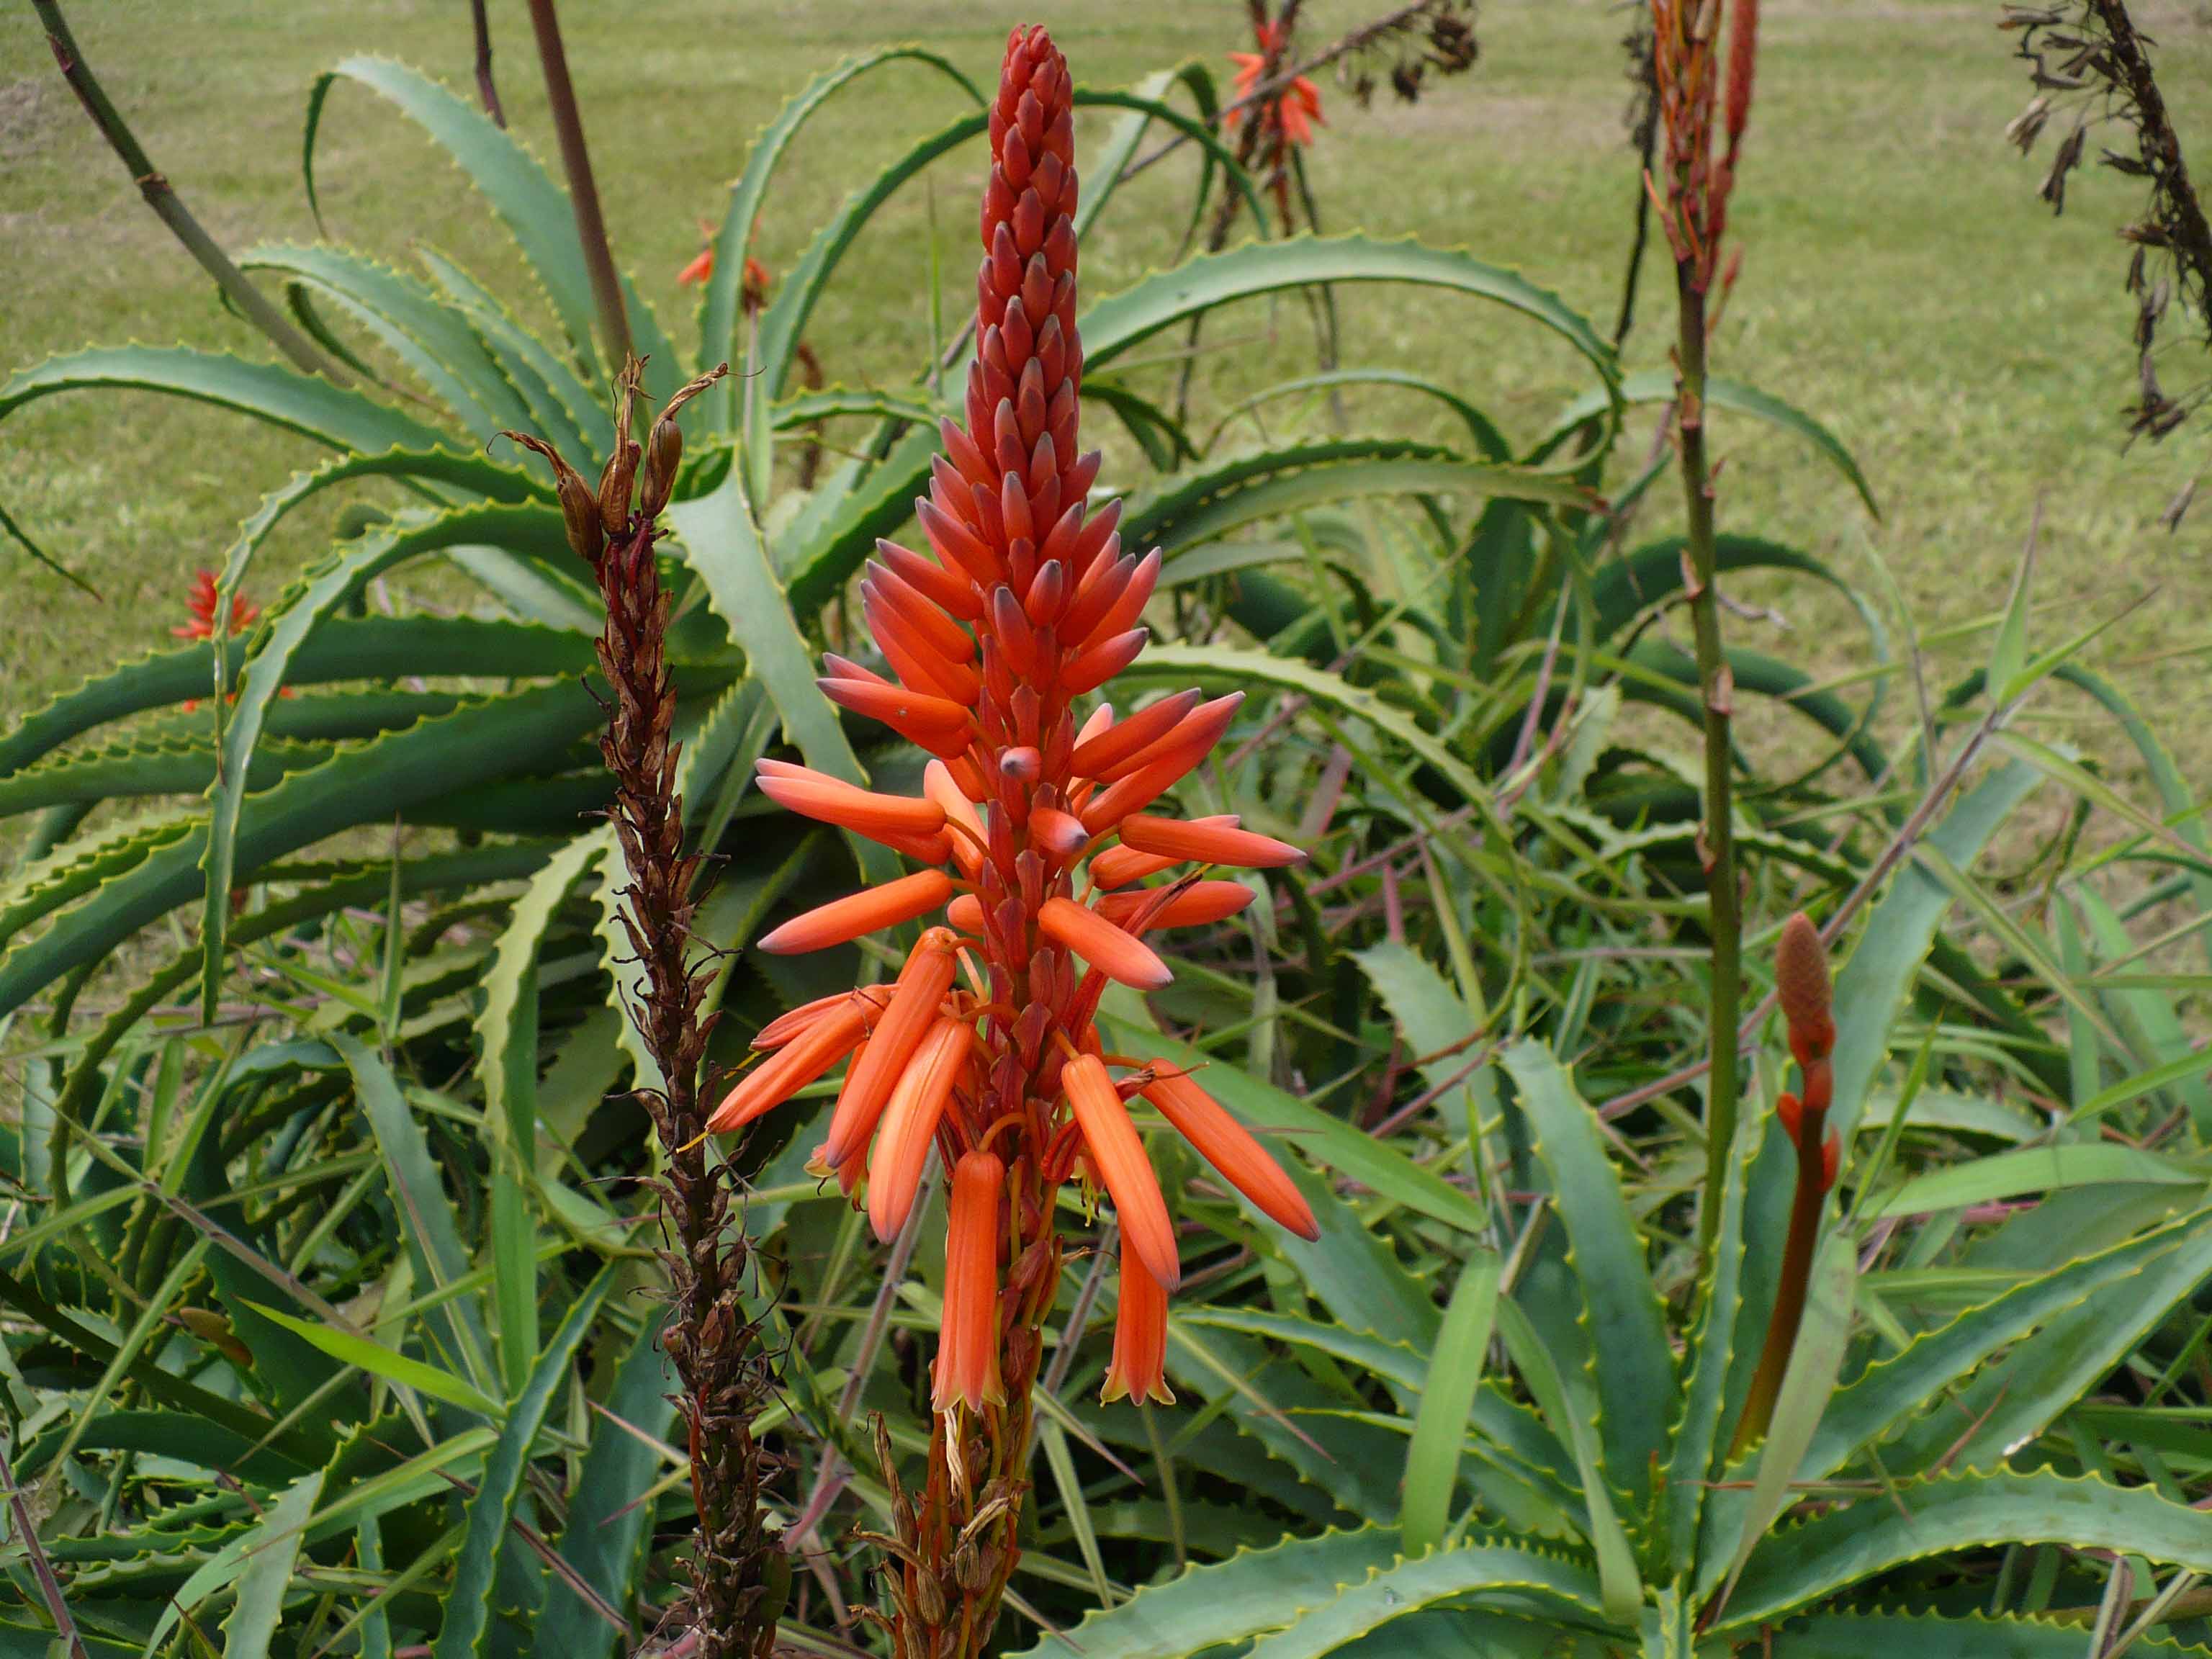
1021,602
1801,982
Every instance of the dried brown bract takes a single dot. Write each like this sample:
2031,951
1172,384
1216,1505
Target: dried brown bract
2088,59
1404,46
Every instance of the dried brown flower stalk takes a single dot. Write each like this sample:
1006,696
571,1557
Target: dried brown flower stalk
738,1574
2088,57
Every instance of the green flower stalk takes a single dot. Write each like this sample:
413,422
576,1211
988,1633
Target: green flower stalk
1693,206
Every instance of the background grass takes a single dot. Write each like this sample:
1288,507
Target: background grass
1901,282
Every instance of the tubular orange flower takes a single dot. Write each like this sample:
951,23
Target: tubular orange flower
865,912
1107,751
915,1005
968,1352
1138,1371
933,723
1119,1158
1188,904
1121,956
1016,601
910,1120
792,1067
831,801
785,1026
1225,1144
1209,843
1117,866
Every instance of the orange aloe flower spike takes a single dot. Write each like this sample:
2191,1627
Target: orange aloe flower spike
1225,1144
864,912
967,1345
1137,1371
910,1123
1118,1156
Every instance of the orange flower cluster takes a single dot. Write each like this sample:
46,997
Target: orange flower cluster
1294,111
199,620
1694,210
199,608
752,292
1032,821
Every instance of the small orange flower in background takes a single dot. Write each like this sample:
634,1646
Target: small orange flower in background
1034,817
1293,110
200,603
753,294
199,619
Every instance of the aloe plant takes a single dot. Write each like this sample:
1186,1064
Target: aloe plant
323,1323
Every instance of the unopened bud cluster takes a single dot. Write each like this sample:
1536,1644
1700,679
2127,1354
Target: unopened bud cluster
595,516
1801,980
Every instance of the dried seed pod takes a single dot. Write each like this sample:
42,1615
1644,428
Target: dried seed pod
664,453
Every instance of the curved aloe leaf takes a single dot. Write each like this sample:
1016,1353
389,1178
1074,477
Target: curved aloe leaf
532,528
1657,386
173,766
1448,1393
431,338
564,408
1852,1542
258,1561
718,303
537,211
1160,301
1212,503
342,648
1934,1635
1252,1591
1489,442
480,742
1636,1379
427,1220
1462,1573
468,1603
603,1545
283,396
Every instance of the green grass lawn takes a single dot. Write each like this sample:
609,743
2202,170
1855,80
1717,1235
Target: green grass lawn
1900,281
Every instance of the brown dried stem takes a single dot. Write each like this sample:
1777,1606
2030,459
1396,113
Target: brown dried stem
486,89
739,1575
583,192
